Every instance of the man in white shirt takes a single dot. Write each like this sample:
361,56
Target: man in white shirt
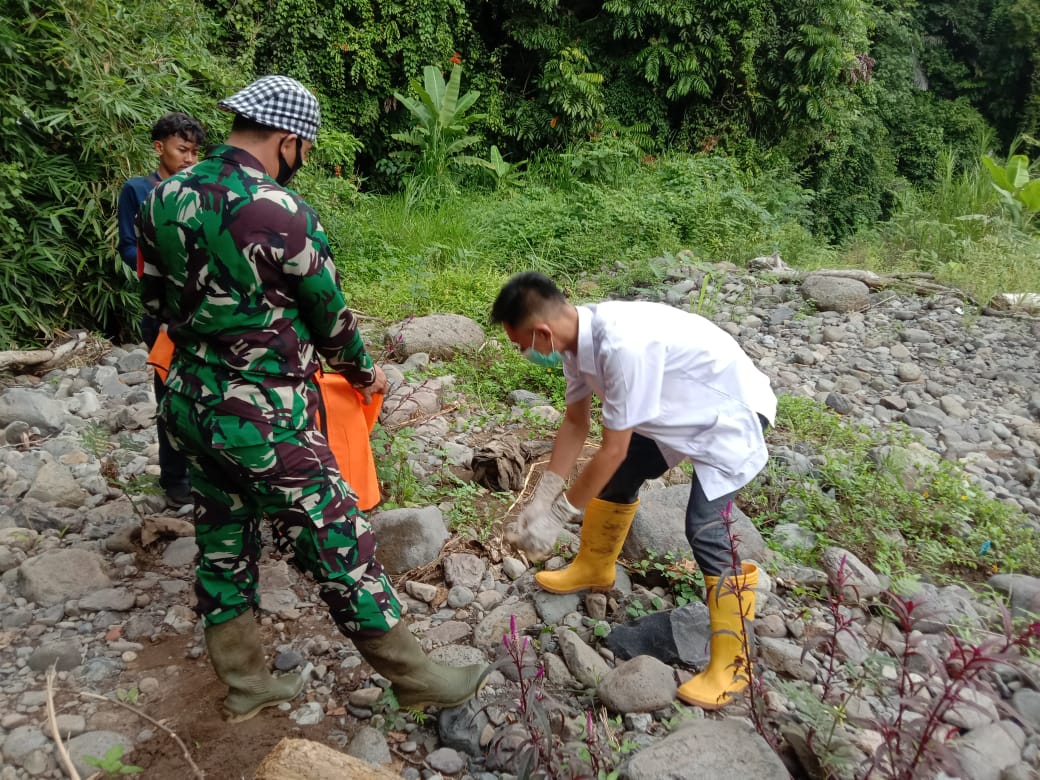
672,386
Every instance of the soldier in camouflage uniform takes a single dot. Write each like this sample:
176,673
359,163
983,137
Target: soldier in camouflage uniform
240,268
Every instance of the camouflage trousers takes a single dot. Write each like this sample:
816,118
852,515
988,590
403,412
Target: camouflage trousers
290,476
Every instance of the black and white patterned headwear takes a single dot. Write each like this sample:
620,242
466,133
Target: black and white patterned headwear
279,102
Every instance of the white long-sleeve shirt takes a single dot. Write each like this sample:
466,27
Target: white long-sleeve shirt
678,379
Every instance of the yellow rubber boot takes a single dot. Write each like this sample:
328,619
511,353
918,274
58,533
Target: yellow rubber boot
603,533
731,608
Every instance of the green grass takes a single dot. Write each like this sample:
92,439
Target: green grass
941,525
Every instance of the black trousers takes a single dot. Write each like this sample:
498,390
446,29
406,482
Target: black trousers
705,529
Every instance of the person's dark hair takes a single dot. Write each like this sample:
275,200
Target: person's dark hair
243,124
524,295
177,124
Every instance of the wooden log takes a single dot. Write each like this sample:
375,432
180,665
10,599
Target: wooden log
44,359
302,759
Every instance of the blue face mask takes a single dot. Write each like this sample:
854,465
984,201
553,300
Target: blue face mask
552,360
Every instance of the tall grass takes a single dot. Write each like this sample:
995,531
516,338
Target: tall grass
602,234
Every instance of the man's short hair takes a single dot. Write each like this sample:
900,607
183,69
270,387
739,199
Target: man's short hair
525,295
181,125
243,124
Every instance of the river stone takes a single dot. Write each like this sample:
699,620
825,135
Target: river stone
94,744
660,526
718,749
65,654
33,408
983,753
464,569
859,581
409,538
642,684
495,625
836,293
370,746
587,666
55,484
55,576
439,335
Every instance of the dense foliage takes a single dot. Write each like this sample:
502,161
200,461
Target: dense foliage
847,107
84,80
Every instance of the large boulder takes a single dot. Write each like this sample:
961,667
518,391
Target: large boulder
55,576
720,749
439,335
660,526
34,408
835,293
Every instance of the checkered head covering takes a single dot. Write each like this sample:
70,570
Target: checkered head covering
279,102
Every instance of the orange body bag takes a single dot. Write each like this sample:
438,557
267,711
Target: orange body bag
347,423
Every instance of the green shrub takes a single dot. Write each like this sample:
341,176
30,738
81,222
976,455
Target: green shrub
85,80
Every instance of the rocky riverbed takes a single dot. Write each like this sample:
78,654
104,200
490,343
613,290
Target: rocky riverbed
97,573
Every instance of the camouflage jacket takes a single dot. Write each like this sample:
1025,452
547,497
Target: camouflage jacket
240,269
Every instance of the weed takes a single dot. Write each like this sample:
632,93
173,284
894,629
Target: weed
532,743
128,695
111,764
680,575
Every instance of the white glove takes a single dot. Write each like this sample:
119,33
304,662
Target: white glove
541,530
549,487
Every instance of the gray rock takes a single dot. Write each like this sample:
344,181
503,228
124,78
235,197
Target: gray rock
370,746
495,625
791,536
1023,590
1027,703
835,293
460,596
409,538
512,568
460,727
32,407
110,599
642,684
587,666
936,610
860,581
442,336
464,569
21,742
720,749
180,552
691,632
55,484
446,760
983,753
66,654
552,607
527,398
925,417
972,710
458,655
446,633
94,744
310,713
786,658
660,526
55,576
276,593
287,660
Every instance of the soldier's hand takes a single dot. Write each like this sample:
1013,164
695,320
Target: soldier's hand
380,385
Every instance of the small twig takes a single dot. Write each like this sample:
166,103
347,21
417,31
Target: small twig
184,748
52,720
